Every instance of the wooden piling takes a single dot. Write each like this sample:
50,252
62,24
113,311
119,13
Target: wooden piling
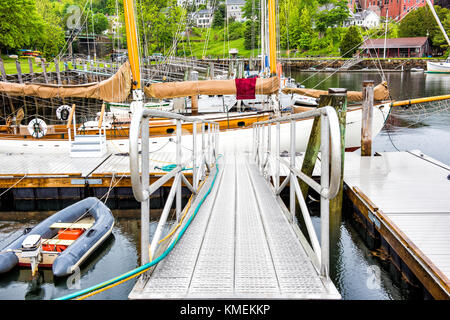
194,105
58,73
5,79
19,71
313,147
339,102
367,118
30,66
44,70
20,78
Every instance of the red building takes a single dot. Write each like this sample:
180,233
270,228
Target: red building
395,9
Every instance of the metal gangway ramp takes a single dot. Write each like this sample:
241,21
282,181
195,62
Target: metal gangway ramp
243,243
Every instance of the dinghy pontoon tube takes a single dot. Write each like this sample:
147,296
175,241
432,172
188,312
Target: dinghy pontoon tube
78,251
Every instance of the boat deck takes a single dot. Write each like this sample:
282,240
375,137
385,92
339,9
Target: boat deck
240,245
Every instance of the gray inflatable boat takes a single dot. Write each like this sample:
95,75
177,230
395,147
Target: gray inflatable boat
62,241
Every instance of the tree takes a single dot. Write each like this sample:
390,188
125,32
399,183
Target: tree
351,42
420,23
160,21
100,22
219,17
20,23
333,17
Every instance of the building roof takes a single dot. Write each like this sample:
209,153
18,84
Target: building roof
235,2
413,42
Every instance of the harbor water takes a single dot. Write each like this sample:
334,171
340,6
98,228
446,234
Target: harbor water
356,271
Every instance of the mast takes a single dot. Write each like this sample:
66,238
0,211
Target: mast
263,35
132,43
272,38
385,33
136,108
438,21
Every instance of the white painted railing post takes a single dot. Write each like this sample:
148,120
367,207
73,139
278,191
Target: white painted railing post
194,155
178,160
292,176
324,201
277,162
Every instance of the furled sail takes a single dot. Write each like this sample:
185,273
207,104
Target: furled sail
207,87
115,89
380,93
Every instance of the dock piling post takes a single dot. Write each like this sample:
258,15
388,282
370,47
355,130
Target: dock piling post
58,73
313,147
367,118
5,79
339,102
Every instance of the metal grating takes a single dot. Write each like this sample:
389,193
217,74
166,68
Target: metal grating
240,245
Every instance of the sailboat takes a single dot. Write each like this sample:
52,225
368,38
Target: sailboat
438,67
235,127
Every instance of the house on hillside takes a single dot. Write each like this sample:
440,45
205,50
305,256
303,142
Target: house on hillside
367,19
234,10
396,47
203,18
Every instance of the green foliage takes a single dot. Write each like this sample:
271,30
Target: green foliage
159,22
251,34
421,22
100,23
333,17
219,17
351,42
20,23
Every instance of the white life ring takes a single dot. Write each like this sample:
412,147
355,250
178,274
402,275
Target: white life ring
37,128
62,113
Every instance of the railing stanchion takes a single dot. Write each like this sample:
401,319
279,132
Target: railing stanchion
145,205
178,160
292,176
277,162
324,201
194,155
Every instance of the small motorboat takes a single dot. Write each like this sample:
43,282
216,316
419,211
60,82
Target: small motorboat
62,241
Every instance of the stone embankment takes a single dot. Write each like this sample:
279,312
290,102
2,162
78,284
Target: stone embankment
323,64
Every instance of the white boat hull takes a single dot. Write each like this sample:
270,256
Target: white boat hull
231,140
438,67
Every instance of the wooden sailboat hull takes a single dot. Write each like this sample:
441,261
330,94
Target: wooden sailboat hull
236,134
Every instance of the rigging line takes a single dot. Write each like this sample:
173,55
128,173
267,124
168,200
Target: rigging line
17,182
328,62
344,54
74,29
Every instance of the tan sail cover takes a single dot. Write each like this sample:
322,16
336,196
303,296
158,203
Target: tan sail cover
380,93
115,89
207,87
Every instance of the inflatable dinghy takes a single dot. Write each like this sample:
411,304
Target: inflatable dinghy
62,241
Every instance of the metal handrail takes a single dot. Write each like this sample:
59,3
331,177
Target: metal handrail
141,187
330,137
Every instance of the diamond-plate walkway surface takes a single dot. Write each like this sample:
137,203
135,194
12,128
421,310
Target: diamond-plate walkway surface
239,246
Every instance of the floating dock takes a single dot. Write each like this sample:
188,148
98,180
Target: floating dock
53,181
240,245
402,201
